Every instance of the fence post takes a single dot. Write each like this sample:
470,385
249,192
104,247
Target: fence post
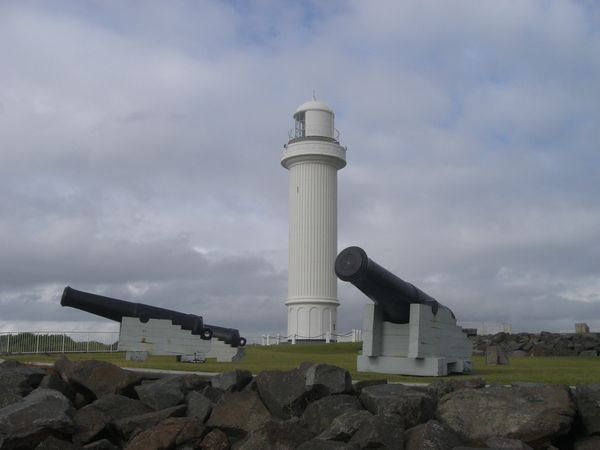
278,338
63,343
37,344
87,344
8,344
328,337
268,340
293,339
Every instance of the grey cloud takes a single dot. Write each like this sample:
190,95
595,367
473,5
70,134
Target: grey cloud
139,153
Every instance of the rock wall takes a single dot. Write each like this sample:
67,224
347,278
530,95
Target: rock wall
97,405
543,344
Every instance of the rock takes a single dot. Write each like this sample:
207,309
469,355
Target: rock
169,433
93,418
319,414
327,379
239,413
344,426
99,377
495,355
53,380
384,431
283,392
213,394
359,385
232,380
286,393
276,435
129,426
430,436
508,444
442,387
19,379
198,405
102,444
587,443
215,440
410,405
533,414
169,391
319,444
42,413
8,398
588,353
587,399
53,443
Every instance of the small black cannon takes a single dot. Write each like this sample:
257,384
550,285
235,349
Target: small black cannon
391,293
115,309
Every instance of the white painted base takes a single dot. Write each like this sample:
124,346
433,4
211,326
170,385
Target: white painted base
429,345
224,352
136,356
426,367
161,337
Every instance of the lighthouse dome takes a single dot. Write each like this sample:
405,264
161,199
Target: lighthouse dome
315,105
314,119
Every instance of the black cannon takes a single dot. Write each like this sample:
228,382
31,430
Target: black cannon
391,293
115,309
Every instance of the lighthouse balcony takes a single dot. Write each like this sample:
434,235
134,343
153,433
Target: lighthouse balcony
299,134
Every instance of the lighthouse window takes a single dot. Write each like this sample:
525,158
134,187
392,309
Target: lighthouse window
300,125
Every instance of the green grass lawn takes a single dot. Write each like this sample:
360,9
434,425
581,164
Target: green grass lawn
553,370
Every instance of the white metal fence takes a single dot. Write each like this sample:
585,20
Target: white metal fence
32,342
13,342
276,339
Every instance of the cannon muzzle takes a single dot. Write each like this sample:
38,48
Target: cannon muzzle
115,309
391,293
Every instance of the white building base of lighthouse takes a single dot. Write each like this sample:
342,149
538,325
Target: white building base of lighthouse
311,320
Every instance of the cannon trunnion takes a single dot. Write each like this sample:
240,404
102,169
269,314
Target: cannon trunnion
405,330
147,329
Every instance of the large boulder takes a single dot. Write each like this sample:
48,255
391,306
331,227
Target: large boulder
215,440
442,387
98,377
587,443
232,380
169,391
430,436
533,414
412,406
326,379
169,433
19,379
343,427
277,435
587,399
54,381
383,431
39,415
129,426
198,405
239,413
93,418
283,392
319,414
286,393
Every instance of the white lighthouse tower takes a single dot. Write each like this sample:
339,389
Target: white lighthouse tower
313,156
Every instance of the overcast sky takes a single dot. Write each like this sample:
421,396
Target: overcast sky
140,147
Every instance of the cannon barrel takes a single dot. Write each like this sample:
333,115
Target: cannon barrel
391,293
115,309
